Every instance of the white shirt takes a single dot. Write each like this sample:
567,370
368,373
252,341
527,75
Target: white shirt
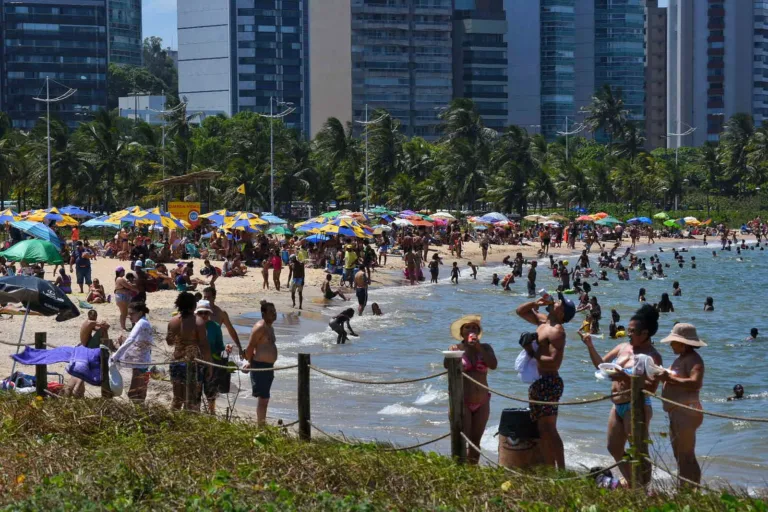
136,351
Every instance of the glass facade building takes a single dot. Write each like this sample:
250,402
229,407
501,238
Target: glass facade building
65,41
557,62
402,53
125,37
272,57
620,51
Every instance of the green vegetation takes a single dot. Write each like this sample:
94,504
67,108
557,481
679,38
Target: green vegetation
111,162
108,455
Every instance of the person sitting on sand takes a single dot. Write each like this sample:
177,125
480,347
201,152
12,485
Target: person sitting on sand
682,383
738,393
328,291
753,332
210,271
337,325
96,293
63,282
709,304
92,334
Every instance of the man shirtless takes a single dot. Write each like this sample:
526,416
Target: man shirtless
361,290
549,356
221,317
188,337
410,264
92,334
261,354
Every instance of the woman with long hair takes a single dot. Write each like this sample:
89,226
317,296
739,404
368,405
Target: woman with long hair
135,351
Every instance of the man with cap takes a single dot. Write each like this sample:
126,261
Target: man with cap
682,383
550,335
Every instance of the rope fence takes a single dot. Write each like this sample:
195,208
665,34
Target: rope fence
389,449
374,382
667,471
702,411
225,367
9,344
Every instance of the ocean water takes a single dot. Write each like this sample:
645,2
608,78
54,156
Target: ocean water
408,339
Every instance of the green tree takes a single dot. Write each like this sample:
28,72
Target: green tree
606,113
161,65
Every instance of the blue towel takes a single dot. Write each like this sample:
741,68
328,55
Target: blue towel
84,363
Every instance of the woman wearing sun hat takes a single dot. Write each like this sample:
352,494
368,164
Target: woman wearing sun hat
682,383
478,358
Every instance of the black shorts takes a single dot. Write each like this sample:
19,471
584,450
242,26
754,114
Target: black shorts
261,382
179,372
362,296
218,383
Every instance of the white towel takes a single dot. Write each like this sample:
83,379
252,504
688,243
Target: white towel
527,367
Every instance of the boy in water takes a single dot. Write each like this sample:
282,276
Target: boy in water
474,269
738,393
495,280
455,273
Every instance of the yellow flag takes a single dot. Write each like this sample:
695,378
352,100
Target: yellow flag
241,189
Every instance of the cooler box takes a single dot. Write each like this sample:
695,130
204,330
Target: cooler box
518,440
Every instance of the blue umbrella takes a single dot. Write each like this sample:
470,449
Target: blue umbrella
579,209
38,230
74,211
317,238
273,219
493,217
640,220
101,222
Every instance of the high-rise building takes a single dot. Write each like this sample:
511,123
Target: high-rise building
240,55
390,54
63,40
125,42
655,75
562,51
480,58
717,66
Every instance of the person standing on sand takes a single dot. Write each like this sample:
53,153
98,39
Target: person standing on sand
261,354
682,383
410,265
220,317
350,260
265,273
135,351
484,246
297,283
189,339
361,290
642,327
478,358
277,266
550,336
532,279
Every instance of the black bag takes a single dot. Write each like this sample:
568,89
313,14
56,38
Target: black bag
527,338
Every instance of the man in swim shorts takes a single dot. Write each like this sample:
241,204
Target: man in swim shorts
261,354
549,357
361,290
297,281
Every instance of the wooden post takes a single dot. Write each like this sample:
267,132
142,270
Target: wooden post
190,385
106,391
305,429
456,408
41,370
637,439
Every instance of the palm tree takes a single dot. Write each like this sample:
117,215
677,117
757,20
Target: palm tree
631,142
402,192
573,185
295,171
386,152
732,152
606,113
417,158
108,153
340,151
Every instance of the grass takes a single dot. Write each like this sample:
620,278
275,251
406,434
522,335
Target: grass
107,455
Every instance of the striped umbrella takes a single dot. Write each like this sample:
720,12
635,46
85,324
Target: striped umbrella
218,217
51,214
245,221
160,217
345,228
9,216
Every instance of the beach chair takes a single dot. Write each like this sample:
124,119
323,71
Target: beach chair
192,251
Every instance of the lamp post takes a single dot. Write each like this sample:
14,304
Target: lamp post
272,116
577,129
48,100
163,113
368,123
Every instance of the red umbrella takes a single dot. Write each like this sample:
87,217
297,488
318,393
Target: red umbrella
585,218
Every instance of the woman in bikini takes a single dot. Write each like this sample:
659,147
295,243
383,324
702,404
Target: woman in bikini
682,383
477,360
124,292
642,327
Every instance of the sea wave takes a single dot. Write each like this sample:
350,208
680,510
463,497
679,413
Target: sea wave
399,409
429,395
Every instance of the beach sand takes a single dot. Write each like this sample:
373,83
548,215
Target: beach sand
239,295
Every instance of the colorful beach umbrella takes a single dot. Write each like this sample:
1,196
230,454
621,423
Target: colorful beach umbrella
39,231
129,215
600,215
640,220
33,251
661,216
244,221
379,210
443,215
52,215
333,214
493,217
272,219
671,224
9,215
585,218
402,222
692,221
76,211
218,217
317,238
101,222
160,218
536,218
345,228
279,230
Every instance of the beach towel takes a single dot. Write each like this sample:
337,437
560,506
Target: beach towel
84,363
32,356
526,366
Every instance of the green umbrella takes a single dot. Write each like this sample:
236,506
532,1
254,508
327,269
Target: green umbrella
33,251
380,210
331,215
608,221
661,216
671,224
279,230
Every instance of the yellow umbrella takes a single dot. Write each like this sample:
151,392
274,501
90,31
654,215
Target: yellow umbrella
52,214
245,221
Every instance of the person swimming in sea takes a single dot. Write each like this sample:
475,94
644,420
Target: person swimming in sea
376,309
676,290
709,304
337,325
665,305
753,332
738,393
495,280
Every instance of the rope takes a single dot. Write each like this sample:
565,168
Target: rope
289,424
386,382
533,477
537,402
393,449
54,395
717,415
247,369
658,466
8,343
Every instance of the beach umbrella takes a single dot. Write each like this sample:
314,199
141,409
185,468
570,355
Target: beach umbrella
661,216
317,238
552,223
38,230
129,215
101,222
75,211
443,215
51,215
160,218
600,215
579,209
272,219
378,210
421,223
279,230
402,222
443,222
707,222
608,221
9,215
493,217
670,223
333,214
378,230
692,221
218,217
245,222
407,213
585,218
536,218
38,295
33,251
343,228
639,220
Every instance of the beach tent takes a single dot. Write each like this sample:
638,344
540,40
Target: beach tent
38,230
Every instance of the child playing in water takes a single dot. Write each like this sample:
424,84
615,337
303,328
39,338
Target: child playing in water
495,280
337,325
434,268
474,269
375,309
709,304
455,273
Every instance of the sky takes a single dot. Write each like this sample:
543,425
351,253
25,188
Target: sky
159,19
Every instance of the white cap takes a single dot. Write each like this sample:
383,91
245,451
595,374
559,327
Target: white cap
138,263
203,305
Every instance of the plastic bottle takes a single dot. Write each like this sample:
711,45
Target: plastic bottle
546,296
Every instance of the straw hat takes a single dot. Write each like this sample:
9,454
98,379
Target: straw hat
686,334
461,322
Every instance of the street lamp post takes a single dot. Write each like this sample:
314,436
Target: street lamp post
163,113
272,116
690,129
577,129
368,123
48,100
